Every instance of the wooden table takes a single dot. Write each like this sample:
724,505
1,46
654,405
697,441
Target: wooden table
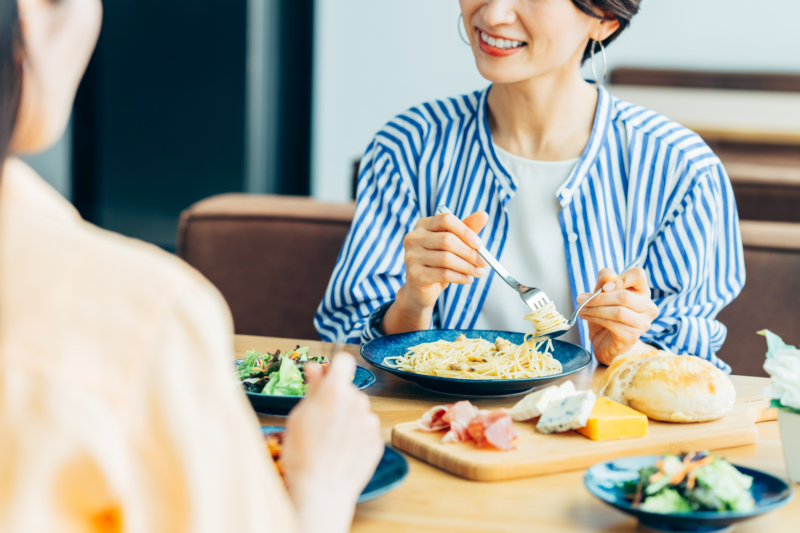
431,500
723,115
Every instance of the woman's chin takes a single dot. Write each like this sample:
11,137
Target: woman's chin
502,74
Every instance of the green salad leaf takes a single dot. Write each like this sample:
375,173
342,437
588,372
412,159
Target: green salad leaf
666,501
303,351
246,366
728,484
288,381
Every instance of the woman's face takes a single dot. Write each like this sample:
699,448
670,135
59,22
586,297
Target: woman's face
59,37
516,40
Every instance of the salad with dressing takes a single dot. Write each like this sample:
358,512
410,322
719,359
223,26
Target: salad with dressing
280,374
695,481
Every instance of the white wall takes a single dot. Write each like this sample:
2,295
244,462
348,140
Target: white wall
372,60
375,58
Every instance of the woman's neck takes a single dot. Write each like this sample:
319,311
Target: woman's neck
547,118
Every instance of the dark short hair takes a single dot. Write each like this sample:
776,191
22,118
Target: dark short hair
10,72
623,10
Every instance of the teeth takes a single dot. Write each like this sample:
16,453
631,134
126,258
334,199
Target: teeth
500,43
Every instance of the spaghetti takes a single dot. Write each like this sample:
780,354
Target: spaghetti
480,359
546,320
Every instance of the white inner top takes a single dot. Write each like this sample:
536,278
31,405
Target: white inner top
534,250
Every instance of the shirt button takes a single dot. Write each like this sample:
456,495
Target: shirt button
572,237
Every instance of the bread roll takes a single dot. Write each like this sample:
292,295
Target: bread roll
680,388
620,374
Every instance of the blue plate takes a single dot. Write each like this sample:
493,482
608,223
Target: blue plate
390,473
573,358
269,404
602,480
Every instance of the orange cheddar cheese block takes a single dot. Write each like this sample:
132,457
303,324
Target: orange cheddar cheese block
612,421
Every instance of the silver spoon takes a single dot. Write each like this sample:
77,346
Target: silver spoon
574,317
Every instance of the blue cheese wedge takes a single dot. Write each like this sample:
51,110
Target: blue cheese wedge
535,403
569,413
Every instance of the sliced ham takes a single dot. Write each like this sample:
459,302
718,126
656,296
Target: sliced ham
432,420
460,413
495,428
465,422
459,417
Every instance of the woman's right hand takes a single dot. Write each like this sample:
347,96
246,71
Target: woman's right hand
441,250
331,449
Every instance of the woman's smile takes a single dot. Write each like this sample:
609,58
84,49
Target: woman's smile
497,45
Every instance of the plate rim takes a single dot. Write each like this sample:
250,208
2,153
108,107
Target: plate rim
698,515
377,493
402,373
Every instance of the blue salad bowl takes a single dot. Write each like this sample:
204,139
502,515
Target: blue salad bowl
604,479
573,358
390,473
270,404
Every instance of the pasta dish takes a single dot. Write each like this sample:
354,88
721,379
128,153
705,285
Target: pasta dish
480,359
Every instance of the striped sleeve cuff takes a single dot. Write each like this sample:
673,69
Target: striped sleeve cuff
371,330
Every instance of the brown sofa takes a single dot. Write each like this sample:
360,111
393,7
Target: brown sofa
770,298
272,256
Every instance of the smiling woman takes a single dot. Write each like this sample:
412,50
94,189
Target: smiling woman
563,182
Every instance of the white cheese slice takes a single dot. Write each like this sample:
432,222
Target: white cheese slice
567,389
534,403
569,413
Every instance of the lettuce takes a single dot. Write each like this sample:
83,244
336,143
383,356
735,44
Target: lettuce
666,501
288,381
246,366
729,485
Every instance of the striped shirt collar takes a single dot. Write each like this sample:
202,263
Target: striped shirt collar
603,116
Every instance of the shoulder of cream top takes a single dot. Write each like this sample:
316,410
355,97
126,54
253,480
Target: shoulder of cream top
21,186
76,279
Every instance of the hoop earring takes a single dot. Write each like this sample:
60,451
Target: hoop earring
602,49
461,27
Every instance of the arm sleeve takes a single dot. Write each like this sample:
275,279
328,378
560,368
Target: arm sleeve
202,421
370,268
695,266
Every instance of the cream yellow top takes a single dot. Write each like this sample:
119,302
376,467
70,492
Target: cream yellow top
118,409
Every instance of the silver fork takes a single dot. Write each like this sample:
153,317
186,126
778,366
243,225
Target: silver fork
533,297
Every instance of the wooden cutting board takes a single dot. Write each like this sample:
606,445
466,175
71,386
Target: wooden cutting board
538,454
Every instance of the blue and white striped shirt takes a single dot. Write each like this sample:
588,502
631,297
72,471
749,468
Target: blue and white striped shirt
643,187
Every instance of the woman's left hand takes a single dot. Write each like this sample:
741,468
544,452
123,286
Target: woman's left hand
620,314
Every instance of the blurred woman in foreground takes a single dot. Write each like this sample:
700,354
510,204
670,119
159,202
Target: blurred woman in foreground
118,410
